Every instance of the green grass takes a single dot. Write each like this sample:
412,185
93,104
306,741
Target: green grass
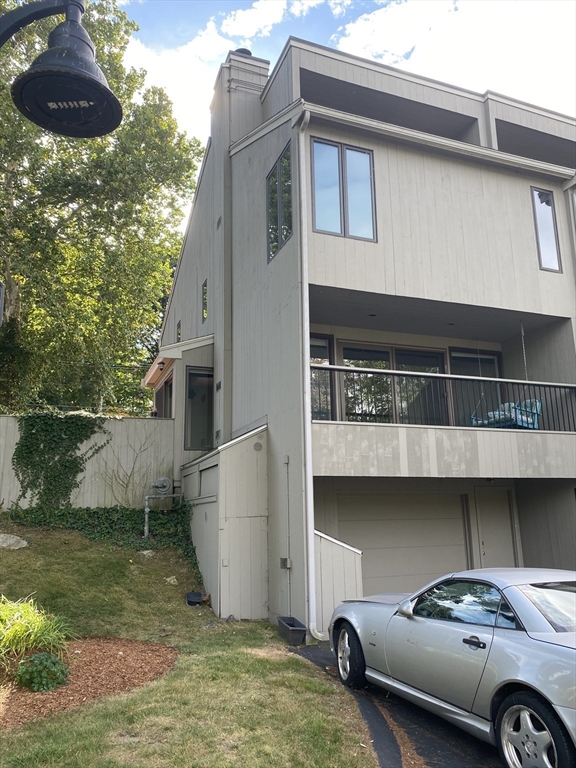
236,697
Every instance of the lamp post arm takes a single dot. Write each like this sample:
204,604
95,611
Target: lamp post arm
20,17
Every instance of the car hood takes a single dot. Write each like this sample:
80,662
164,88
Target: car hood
567,639
387,598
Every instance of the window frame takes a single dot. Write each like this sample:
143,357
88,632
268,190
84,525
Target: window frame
277,167
343,189
533,190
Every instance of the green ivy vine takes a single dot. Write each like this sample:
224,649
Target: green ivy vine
47,460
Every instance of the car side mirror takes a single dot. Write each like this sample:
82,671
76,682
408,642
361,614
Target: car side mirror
405,609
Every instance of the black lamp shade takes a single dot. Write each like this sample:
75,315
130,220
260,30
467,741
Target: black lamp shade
65,91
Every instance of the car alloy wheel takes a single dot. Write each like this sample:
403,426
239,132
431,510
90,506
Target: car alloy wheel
530,734
350,658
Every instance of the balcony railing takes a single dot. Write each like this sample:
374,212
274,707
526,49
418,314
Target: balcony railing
404,397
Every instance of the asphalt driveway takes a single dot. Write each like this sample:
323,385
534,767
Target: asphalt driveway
404,733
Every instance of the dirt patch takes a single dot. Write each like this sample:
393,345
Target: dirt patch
99,666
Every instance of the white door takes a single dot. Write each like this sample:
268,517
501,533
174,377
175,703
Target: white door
407,540
496,528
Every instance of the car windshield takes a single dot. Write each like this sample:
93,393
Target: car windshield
556,600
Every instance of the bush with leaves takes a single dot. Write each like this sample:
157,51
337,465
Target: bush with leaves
121,526
24,628
42,672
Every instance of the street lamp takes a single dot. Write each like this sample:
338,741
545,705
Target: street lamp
64,91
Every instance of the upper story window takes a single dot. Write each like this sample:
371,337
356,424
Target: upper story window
343,184
546,232
204,300
179,331
279,200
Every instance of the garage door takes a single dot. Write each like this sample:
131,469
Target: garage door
406,540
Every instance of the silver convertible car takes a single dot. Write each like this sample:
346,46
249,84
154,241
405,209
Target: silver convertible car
493,651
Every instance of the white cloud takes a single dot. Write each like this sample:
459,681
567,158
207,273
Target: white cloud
186,73
338,7
521,48
255,21
302,7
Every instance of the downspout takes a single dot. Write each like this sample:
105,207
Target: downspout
307,401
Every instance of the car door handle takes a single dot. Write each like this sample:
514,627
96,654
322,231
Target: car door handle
475,642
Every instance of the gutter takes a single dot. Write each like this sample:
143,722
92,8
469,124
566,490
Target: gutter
306,398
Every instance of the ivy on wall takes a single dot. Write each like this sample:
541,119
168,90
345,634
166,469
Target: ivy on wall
47,460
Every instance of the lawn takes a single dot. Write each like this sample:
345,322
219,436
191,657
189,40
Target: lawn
236,696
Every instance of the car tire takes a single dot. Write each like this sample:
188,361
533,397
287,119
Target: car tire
350,657
529,733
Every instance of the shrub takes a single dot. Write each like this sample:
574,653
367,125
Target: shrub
42,672
25,628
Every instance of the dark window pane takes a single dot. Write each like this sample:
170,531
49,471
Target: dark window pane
506,618
366,358
286,193
462,601
546,229
273,213
419,361
359,194
367,397
199,409
320,381
470,364
327,208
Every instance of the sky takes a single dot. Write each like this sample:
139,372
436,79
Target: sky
525,49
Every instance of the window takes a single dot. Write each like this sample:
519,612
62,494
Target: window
199,409
279,200
321,381
367,397
343,190
204,300
163,400
546,233
179,331
467,602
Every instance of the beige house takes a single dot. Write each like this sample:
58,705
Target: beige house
369,350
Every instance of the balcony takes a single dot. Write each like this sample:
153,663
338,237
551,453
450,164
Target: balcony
347,394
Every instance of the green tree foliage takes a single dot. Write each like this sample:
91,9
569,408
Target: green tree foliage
88,231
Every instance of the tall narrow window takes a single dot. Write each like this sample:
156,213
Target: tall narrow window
343,190
546,233
179,331
198,434
204,300
279,200
321,383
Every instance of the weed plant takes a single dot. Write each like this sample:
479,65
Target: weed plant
121,526
41,672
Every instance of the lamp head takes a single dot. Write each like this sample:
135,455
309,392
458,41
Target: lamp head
65,91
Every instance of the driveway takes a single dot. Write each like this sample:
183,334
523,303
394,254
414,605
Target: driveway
406,735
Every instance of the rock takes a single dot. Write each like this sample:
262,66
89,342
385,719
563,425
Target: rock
146,552
7,541
171,580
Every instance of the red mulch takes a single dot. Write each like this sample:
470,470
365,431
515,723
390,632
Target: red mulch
99,666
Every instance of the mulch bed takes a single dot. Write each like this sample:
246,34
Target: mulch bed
99,666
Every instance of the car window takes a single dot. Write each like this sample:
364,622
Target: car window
506,618
556,600
469,602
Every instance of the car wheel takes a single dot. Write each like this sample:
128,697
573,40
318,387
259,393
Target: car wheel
530,734
350,658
